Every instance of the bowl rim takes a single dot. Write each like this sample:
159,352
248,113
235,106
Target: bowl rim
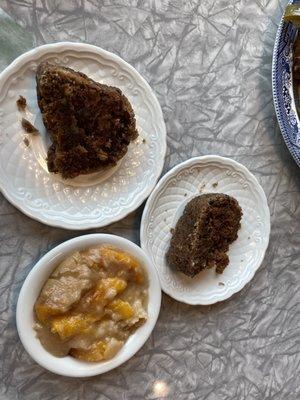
58,253
159,186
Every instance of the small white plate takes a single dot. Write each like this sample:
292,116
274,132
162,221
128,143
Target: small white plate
199,175
87,201
69,366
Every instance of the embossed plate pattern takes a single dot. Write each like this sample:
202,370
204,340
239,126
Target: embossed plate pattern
199,175
91,201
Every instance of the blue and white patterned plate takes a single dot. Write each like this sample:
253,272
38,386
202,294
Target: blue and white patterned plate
282,82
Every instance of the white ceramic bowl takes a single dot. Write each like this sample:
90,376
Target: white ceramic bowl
69,366
199,175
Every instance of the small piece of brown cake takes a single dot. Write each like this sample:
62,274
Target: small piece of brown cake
28,127
203,233
21,103
90,124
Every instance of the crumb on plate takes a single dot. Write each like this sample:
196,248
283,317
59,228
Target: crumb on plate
201,187
28,127
21,103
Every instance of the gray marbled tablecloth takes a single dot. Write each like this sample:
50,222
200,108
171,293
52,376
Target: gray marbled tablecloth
209,63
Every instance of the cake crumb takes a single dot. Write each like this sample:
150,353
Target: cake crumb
185,194
144,140
201,187
215,184
221,284
172,230
28,127
21,103
26,141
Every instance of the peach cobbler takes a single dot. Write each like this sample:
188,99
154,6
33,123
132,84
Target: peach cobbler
91,304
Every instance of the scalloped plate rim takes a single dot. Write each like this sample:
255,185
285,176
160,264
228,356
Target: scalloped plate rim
231,290
65,45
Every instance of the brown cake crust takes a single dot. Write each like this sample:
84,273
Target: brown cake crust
90,124
203,233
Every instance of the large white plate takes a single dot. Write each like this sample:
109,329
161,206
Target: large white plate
199,175
88,201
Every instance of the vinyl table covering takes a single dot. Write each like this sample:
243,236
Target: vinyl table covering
209,63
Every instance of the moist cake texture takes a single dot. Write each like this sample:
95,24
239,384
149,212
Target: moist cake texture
90,124
202,235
